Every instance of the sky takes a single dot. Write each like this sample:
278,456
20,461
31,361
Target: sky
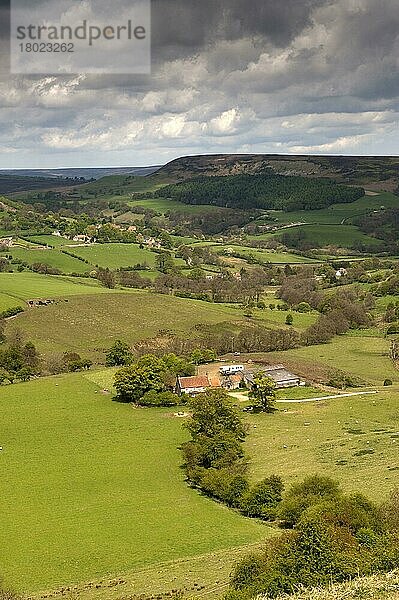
228,76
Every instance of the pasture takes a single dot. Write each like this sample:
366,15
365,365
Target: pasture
343,236
115,256
339,213
91,323
51,257
364,357
51,240
354,440
263,256
92,489
24,286
163,205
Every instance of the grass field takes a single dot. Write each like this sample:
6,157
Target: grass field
163,205
344,236
52,240
354,440
115,255
24,286
92,322
7,301
92,488
339,212
51,257
263,255
273,318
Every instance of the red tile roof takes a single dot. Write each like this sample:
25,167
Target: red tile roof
200,381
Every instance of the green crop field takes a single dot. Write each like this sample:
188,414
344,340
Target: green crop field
115,255
354,440
92,488
51,257
24,286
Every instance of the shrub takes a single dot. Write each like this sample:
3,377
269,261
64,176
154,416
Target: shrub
388,382
263,498
301,496
153,398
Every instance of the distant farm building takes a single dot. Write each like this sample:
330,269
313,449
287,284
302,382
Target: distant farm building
280,375
233,377
6,242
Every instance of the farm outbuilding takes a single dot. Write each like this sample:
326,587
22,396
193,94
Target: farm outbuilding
280,375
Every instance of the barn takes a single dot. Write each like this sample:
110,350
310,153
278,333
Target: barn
280,375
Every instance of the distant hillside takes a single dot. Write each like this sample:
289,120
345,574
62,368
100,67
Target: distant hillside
380,173
375,587
17,183
86,173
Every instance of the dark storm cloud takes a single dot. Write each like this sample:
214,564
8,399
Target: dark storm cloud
180,27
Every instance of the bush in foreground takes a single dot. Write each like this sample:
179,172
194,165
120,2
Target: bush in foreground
336,537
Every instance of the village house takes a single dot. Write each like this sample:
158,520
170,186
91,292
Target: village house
85,239
152,243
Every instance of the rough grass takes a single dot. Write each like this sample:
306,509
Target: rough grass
354,440
91,323
92,489
374,587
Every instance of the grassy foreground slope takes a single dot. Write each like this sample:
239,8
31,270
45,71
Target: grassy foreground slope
92,488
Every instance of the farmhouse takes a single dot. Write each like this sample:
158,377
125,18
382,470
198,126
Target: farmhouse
280,375
232,382
192,385
85,239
